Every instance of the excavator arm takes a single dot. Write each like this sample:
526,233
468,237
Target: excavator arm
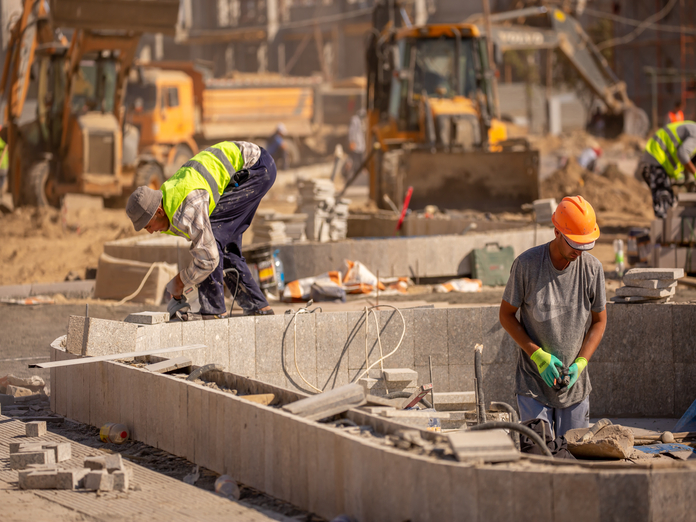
550,28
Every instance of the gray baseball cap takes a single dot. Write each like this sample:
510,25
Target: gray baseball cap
142,205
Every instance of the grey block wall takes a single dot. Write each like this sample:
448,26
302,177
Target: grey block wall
645,365
330,472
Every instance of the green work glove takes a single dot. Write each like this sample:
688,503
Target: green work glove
546,364
576,369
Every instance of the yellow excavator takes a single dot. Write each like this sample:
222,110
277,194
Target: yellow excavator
78,140
431,119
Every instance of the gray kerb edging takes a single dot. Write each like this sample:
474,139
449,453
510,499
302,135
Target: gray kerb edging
329,472
645,365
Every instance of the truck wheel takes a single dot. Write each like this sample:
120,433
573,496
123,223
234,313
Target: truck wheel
149,175
34,184
182,155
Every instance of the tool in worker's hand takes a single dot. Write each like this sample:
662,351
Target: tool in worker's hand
601,423
417,396
179,308
564,380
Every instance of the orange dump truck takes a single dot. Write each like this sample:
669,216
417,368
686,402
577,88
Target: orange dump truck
178,111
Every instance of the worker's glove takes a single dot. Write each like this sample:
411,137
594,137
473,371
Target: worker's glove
576,369
547,365
175,287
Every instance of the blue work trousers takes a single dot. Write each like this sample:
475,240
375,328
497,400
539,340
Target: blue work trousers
560,419
230,219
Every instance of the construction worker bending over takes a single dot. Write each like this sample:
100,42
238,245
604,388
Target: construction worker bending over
211,201
667,155
556,287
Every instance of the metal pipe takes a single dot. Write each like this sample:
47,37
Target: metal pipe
504,406
521,428
480,401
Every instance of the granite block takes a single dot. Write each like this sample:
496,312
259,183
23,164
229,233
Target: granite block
461,377
685,387
70,478
99,481
121,481
330,379
430,336
147,318
655,394
204,433
300,351
463,333
35,428
576,493
670,494
324,476
683,324
22,460
440,377
170,336
242,346
98,386
653,273
276,379
39,479
499,383
332,332
391,328
356,340
624,496
139,378
62,450
495,501
498,346
195,428
231,428
216,337
168,413
532,495
465,492
270,330
92,336
192,332
148,338
434,482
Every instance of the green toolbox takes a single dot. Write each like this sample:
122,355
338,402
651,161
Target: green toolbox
492,264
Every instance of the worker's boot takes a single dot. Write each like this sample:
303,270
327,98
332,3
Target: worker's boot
259,312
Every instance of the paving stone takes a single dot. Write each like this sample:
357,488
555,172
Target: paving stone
330,379
270,330
653,273
430,336
148,317
242,346
23,459
62,450
499,383
99,481
495,501
631,291
121,480
328,403
461,377
192,332
532,495
94,463
463,333
39,480
16,447
393,375
672,495
465,492
71,478
356,340
685,383
652,283
171,336
91,336
683,324
576,493
498,346
615,487
36,429
391,329
454,401
331,334
148,338
304,348
169,365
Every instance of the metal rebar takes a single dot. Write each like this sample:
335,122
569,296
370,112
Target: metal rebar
432,390
478,371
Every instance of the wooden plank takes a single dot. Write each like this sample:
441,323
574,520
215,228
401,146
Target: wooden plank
117,356
260,398
169,365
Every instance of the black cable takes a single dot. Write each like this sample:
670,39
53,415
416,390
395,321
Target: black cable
495,425
498,406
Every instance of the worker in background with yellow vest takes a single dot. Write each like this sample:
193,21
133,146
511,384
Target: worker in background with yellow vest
4,160
668,159
211,201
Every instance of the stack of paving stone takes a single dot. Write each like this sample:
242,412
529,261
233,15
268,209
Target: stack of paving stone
648,285
327,217
37,466
268,230
544,209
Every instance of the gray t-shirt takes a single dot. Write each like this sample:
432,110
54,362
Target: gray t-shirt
554,308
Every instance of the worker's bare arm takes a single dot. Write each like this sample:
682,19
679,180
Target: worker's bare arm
515,329
594,334
691,169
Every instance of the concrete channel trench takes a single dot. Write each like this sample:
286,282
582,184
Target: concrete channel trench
331,471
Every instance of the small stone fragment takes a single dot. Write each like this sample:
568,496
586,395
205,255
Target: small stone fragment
121,480
18,391
71,478
99,481
113,462
36,429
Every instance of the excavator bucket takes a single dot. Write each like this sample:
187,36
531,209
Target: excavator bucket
485,181
140,16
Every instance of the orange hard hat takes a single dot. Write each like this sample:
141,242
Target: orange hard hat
575,219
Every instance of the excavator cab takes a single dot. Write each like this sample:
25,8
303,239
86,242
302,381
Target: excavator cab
431,120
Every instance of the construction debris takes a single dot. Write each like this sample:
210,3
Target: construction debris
610,442
328,403
169,365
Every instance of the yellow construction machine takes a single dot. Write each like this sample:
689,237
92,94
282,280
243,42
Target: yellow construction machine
77,139
432,119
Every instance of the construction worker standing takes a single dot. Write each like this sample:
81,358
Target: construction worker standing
211,201
556,287
667,155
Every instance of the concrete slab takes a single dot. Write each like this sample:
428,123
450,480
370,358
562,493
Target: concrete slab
147,318
242,346
169,365
653,273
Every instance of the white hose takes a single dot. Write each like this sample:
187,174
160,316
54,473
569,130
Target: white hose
379,342
142,284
